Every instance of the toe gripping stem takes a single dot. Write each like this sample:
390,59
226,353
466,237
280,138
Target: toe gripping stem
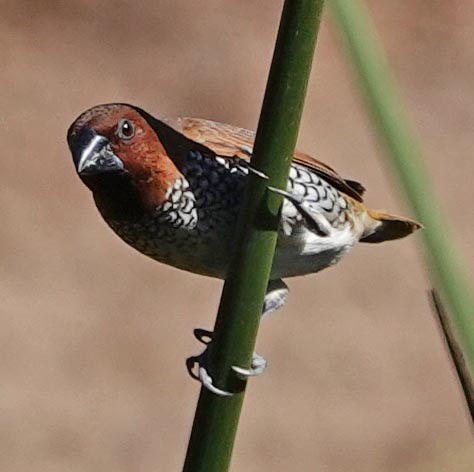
257,367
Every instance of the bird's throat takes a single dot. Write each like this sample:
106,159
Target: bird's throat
117,198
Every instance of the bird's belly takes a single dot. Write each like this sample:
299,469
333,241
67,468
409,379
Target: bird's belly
209,253
183,248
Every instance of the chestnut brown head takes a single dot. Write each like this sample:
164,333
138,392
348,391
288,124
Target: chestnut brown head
116,141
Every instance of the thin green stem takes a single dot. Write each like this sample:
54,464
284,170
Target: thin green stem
387,115
216,419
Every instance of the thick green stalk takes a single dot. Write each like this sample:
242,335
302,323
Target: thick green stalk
216,420
403,149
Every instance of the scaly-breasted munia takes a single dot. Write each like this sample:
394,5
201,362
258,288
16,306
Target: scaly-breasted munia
171,188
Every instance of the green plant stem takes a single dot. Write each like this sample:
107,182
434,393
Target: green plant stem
387,115
216,419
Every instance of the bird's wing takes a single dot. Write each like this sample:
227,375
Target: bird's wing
228,141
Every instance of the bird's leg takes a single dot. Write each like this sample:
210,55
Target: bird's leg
315,221
275,298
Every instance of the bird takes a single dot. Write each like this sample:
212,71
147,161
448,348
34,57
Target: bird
172,188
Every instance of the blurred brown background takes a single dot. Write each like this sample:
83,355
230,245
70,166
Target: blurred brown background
93,335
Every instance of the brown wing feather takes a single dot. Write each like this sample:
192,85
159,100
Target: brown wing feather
228,141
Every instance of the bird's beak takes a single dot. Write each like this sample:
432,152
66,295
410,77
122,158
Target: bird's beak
92,153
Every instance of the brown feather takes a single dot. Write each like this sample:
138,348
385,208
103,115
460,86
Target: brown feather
229,141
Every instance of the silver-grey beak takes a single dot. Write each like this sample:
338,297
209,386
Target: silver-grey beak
92,154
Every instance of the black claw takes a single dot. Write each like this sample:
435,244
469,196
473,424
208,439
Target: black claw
190,363
202,334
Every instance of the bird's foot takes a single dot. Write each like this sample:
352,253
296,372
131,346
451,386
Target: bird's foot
257,366
197,366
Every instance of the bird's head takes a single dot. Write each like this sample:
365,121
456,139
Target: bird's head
115,143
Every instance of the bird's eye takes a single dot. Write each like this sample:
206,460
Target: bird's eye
125,130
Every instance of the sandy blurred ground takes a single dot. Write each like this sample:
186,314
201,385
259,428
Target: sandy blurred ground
93,335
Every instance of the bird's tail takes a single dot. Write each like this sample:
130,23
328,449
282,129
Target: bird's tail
384,227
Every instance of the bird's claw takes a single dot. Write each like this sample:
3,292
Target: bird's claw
190,363
257,366
206,381
203,335
201,375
